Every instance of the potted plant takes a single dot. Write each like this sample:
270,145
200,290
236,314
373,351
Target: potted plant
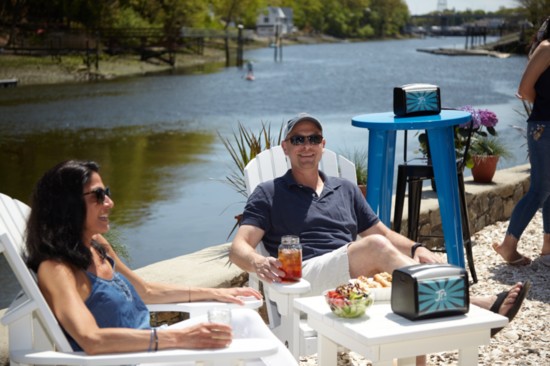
486,152
482,125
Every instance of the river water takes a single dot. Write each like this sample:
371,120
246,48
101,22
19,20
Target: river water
157,141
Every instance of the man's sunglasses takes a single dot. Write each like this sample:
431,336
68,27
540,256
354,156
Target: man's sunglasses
100,194
298,140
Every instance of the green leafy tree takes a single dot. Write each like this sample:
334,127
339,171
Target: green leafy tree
308,16
537,10
344,18
388,17
238,11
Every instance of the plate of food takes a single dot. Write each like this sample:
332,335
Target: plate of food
379,285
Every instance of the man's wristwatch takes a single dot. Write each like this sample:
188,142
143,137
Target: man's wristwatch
415,247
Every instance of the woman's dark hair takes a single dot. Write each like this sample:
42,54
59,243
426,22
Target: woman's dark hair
542,34
58,213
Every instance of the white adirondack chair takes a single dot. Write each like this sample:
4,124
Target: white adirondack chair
284,320
35,337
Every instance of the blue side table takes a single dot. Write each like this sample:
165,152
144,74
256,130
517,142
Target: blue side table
382,132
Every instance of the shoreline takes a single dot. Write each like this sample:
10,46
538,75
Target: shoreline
33,71
44,70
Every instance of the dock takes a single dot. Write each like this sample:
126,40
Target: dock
463,52
8,83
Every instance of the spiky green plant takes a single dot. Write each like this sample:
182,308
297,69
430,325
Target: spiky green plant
486,146
243,146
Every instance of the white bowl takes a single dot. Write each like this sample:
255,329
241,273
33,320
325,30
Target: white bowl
381,294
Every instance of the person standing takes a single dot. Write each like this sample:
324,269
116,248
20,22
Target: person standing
534,88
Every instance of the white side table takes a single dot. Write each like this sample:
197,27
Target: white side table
381,336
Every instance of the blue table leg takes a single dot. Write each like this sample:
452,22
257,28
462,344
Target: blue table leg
442,150
380,165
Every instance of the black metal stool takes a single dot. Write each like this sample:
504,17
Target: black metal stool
415,172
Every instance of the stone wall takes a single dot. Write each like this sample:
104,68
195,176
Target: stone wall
487,204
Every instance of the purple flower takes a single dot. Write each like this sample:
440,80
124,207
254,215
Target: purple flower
480,117
487,118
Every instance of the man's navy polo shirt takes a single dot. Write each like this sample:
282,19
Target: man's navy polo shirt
323,223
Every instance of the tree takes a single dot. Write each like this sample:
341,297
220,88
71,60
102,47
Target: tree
234,12
389,17
537,10
344,18
308,15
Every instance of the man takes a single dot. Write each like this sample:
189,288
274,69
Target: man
342,237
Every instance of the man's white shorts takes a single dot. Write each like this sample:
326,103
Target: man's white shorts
327,271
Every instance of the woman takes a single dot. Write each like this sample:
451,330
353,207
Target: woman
534,88
97,299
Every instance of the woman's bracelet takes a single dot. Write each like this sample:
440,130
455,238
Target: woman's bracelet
156,339
414,248
151,340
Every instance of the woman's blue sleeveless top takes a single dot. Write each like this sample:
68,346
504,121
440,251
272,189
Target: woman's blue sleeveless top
114,304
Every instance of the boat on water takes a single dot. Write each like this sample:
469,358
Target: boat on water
464,52
8,83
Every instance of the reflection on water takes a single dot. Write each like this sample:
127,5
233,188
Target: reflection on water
141,163
138,162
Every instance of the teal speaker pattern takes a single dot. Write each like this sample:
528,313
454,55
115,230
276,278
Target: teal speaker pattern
441,295
422,101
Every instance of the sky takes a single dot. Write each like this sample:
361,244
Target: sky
417,7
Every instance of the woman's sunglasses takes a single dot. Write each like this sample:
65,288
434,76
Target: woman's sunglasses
100,194
298,140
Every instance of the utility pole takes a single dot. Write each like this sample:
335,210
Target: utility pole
240,44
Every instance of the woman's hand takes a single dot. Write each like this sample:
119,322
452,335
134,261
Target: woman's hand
235,294
203,335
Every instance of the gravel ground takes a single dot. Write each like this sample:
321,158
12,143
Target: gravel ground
526,340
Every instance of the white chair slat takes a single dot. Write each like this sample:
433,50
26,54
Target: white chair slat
347,169
11,220
265,164
252,176
280,161
329,164
29,286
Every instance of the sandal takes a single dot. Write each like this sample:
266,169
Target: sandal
515,307
521,261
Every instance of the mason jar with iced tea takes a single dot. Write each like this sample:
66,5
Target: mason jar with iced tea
290,255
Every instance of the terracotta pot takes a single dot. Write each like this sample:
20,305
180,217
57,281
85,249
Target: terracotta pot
363,189
484,168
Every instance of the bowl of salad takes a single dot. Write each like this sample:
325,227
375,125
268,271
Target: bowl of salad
349,300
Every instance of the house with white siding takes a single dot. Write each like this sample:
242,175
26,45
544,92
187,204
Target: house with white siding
272,17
